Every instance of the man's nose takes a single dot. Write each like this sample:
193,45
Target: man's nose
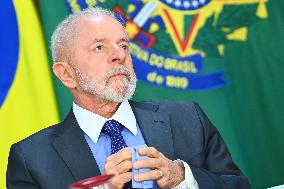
117,55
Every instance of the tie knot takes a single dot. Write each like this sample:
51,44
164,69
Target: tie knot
112,128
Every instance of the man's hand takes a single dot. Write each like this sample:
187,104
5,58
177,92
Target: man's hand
120,165
167,173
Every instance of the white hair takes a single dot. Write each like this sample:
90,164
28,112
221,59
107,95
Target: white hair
65,32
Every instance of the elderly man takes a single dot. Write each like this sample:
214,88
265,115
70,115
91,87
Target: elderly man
91,58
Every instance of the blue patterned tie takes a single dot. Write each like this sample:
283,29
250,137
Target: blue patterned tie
113,129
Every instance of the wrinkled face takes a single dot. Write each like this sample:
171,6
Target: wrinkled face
101,59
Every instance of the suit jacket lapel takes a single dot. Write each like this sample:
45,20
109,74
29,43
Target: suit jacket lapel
74,150
155,127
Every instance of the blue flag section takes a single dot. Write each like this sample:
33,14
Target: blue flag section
9,47
172,71
186,5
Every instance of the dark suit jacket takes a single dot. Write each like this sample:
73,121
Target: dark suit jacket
59,155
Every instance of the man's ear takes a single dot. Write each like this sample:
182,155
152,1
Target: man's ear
65,74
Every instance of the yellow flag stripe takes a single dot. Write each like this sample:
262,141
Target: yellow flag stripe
30,104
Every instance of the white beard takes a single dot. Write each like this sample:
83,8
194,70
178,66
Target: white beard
103,88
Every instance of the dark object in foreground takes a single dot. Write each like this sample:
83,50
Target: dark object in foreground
97,182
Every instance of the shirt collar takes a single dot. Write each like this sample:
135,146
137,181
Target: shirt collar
92,123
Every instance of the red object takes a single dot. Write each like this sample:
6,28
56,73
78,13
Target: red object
91,182
151,38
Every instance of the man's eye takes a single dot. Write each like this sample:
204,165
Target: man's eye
125,47
99,48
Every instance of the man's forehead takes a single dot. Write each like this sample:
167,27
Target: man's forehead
101,26
100,20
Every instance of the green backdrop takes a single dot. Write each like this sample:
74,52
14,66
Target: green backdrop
248,111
